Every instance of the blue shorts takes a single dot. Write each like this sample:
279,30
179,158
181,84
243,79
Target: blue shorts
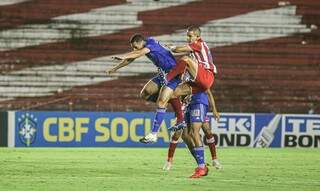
173,84
196,113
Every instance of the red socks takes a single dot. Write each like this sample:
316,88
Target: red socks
212,146
172,149
177,107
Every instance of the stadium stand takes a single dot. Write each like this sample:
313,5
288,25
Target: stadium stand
267,53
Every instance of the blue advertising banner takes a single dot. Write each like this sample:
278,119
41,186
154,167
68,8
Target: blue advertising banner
301,131
124,129
86,129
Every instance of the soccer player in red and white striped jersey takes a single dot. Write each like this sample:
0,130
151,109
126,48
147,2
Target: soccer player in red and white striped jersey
199,64
201,52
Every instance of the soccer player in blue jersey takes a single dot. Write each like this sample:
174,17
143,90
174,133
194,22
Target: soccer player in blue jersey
157,89
198,98
196,115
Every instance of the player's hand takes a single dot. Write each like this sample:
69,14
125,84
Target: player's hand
216,115
116,58
170,46
111,71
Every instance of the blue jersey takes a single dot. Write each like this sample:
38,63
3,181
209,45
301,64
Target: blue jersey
197,109
199,98
160,56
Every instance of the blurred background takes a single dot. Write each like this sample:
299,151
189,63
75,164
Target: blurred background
53,58
54,53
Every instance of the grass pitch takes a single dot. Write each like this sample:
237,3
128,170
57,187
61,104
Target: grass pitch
140,169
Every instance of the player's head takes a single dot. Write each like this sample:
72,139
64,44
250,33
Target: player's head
137,41
193,34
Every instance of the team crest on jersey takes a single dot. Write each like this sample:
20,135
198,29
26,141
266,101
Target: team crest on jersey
27,124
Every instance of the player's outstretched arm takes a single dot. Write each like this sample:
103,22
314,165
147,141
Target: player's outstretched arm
123,63
127,59
179,49
213,105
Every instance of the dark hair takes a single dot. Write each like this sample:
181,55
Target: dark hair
136,38
195,29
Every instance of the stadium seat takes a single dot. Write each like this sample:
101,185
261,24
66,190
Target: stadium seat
266,53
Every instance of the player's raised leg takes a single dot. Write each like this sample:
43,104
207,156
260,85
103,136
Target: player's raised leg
182,90
201,76
191,65
177,108
150,90
165,95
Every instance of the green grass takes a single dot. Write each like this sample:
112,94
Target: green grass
140,169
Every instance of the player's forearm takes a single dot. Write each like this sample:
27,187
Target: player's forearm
136,54
177,50
211,101
122,64
180,49
132,55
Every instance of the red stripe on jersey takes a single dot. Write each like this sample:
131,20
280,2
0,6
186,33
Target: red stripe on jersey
205,56
198,57
202,54
210,59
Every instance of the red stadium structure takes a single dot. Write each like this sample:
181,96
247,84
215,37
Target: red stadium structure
53,54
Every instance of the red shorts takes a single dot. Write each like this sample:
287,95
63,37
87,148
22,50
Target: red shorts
203,81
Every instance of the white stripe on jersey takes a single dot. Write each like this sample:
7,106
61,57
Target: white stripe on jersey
198,57
207,51
205,56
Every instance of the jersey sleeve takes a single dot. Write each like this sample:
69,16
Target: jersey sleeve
195,46
149,45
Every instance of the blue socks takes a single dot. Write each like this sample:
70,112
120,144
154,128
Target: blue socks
193,154
199,155
158,119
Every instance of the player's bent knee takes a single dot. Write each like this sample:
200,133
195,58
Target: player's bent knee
164,99
146,95
195,131
207,132
143,94
191,134
161,103
153,98
177,134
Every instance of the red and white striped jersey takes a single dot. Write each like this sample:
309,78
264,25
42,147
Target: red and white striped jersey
202,54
